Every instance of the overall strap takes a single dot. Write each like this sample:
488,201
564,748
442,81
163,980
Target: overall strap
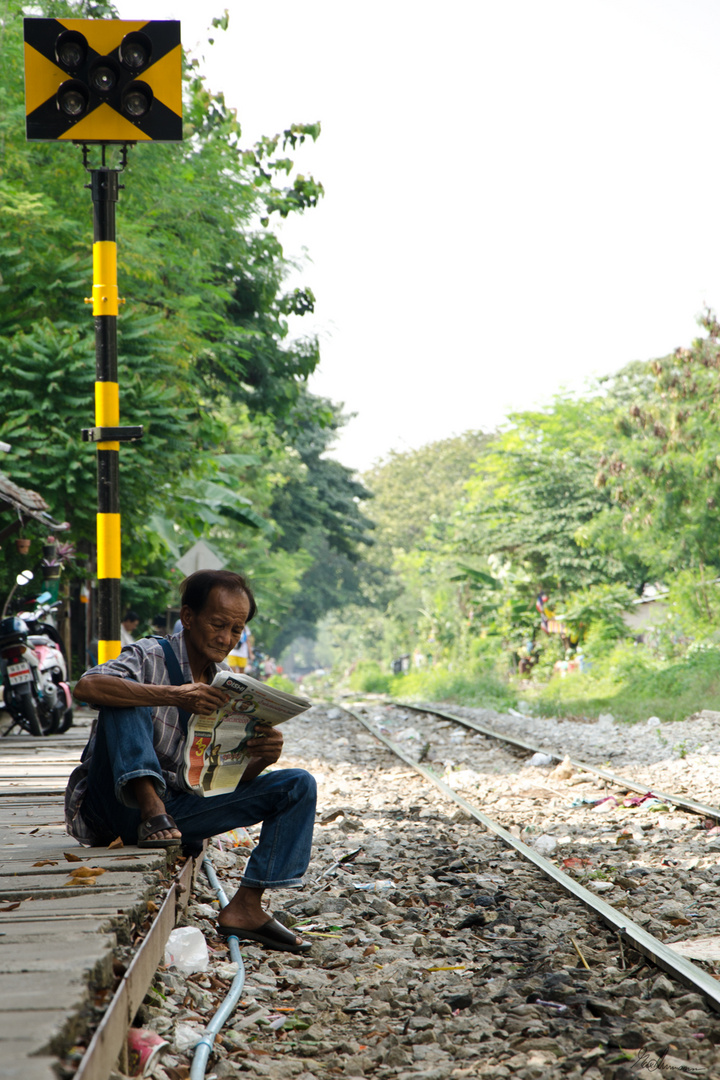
176,677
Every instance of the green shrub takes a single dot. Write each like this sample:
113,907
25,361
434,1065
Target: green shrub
632,686
459,686
369,678
281,682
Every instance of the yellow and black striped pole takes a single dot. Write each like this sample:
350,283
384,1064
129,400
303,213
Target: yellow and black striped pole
104,187
107,432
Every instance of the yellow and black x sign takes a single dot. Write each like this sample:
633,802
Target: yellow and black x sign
103,80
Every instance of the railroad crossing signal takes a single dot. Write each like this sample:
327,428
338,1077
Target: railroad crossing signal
103,80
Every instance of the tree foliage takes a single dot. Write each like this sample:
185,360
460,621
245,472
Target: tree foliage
206,362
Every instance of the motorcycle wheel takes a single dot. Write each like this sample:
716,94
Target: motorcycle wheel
30,717
66,722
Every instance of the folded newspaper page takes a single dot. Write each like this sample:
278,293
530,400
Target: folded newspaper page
216,753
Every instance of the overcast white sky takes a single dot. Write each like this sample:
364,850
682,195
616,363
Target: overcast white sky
519,195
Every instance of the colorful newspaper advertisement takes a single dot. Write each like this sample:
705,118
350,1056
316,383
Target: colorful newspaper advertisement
216,753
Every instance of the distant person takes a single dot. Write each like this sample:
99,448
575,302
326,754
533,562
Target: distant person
177,628
128,626
242,654
159,626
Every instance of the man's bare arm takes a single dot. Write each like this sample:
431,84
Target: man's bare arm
112,690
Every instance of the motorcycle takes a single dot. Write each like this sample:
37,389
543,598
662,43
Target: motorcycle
34,671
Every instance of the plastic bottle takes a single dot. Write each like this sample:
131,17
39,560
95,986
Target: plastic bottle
375,886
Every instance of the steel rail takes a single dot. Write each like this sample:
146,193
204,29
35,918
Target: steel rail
654,950
620,781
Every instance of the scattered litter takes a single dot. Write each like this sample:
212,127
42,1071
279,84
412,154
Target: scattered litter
657,805
374,886
234,838
653,721
564,770
699,948
461,778
226,969
186,950
539,759
187,1036
544,845
601,886
144,1048
408,734
637,800
606,719
587,800
605,805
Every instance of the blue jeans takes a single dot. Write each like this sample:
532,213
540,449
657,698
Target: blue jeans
284,801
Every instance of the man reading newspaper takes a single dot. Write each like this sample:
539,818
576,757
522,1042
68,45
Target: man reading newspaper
130,783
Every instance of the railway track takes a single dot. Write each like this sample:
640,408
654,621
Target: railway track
607,841
466,956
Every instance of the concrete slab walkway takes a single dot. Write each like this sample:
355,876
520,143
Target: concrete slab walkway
57,935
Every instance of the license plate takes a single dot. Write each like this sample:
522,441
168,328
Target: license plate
18,673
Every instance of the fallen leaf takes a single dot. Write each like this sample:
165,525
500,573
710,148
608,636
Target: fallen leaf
33,831
370,950
681,922
71,857
46,862
11,907
117,842
86,871
152,907
181,1072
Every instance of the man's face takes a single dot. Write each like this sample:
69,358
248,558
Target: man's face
214,631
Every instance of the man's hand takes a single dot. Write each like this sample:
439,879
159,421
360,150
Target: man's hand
199,697
265,748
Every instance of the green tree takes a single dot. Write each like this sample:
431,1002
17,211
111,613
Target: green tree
203,337
662,469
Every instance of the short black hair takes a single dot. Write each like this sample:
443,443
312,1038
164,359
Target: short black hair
196,588
131,616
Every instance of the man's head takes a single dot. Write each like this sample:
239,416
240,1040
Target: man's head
216,605
130,620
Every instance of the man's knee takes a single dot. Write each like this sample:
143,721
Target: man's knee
304,784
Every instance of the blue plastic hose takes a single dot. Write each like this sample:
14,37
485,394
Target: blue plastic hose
203,1048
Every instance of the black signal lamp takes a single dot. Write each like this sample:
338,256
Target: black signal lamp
137,100
103,77
72,99
71,50
135,51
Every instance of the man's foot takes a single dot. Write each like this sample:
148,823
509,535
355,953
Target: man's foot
245,914
152,809
271,935
158,831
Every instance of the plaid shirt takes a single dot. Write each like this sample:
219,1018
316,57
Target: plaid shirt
143,662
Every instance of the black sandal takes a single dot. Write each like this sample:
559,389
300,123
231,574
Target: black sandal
153,825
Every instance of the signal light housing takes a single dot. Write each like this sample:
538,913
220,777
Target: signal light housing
103,80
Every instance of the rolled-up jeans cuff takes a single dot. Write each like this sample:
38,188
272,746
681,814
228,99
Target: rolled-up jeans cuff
291,883
123,791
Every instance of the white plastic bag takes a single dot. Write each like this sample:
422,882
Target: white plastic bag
186,950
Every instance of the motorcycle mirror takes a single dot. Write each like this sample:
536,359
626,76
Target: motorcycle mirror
44,597
24,577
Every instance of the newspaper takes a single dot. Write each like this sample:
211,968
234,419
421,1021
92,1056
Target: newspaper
216,753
